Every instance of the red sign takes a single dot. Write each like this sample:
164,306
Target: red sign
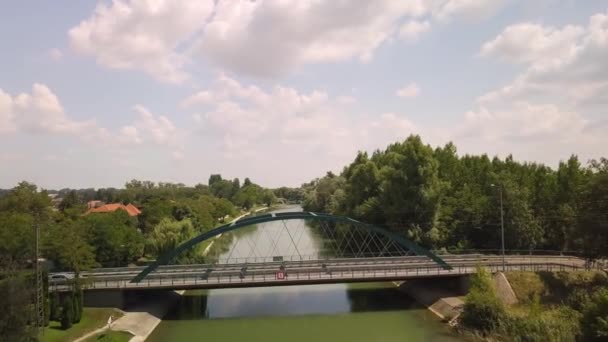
280,275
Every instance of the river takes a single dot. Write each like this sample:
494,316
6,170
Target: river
341,312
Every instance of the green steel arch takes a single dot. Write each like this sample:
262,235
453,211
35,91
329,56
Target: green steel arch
299,215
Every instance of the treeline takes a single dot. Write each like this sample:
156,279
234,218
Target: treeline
75,241
446,201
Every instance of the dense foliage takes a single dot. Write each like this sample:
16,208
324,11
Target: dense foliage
483,310
443,200
76,241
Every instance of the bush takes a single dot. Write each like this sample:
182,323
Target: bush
47,312
560,324
55,314
78,305
483,310
67,316
595,317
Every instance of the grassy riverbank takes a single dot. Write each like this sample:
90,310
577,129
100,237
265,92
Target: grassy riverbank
92,318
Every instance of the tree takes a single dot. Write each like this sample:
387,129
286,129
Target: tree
268,197
593,217
16,303
66,243
483,310
78,302
55,306
67,315
169,234
69,201
115,237
411,190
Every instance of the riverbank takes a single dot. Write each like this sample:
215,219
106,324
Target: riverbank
444,302
141,320
208,248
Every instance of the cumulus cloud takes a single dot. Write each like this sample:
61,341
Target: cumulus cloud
141,34
568,65
255,123
410,91
536,44
38,112
265,38
468,9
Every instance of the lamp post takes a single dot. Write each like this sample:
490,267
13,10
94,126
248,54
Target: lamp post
502,227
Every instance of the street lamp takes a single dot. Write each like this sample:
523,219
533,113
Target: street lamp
502,226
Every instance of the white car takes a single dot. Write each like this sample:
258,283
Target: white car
60,277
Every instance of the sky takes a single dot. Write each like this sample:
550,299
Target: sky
94,94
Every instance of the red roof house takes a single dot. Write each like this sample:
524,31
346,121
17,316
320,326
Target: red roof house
112,207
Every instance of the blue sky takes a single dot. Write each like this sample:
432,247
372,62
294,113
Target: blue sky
93,94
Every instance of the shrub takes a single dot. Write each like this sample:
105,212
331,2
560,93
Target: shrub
595,317
78,306
67,316
560,324
483,310
55,307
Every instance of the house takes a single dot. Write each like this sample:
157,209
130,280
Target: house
112,207
94,204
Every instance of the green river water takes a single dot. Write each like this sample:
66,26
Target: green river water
342,312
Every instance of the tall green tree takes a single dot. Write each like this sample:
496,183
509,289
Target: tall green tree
169,234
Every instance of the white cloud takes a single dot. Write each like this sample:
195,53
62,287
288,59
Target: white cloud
141,34
55,54
413,29
567,66
256,124
410,91
468,9
160,128
6,113
525,121
534,43
38,112
129,135
278,36
261,38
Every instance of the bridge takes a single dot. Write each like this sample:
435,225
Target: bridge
275,249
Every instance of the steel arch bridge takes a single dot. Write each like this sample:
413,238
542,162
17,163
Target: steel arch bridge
344,238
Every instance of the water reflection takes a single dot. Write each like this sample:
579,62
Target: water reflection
290,300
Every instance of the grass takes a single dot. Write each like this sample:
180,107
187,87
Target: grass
526,285
110,335
92,318
553,287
